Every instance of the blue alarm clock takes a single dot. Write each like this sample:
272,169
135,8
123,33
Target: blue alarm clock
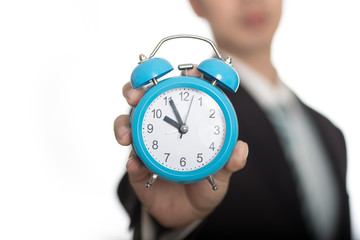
184,128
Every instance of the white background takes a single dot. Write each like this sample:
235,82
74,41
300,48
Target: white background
62,68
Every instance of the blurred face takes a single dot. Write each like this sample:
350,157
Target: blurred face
241,25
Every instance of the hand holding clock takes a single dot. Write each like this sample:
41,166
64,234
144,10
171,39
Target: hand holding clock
186,202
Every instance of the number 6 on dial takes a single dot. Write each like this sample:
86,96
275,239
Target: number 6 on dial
184,129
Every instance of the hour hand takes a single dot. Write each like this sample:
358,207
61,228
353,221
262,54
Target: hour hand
176,112
172,122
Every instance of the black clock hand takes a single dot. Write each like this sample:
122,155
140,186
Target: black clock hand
176,112
172,122
183,127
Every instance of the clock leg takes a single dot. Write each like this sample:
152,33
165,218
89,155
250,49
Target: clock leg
151,181
211,180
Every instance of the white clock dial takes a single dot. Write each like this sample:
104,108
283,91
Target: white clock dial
202,132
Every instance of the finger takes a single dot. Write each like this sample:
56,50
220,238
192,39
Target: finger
236,162
192,72
238,158
136,171
132,95
122,130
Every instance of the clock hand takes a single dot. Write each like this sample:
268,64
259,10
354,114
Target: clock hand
183,127
187,114
172,122
171,132
176,112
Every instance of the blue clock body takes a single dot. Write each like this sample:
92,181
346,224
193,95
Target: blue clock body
216,71
216,164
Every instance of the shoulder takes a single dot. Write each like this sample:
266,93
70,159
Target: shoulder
324,124
332,137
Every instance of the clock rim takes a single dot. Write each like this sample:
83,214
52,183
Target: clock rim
230,138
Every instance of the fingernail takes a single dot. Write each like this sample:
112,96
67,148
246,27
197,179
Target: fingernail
132,165
122,132
130,93
129,162
247,148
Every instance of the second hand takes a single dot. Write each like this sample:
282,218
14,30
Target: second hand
187,114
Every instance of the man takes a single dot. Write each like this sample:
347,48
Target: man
294,183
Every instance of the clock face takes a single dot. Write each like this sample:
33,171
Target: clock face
183,129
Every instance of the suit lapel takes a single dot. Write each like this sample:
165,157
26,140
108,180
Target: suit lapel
256,129
334,145
266,160
333,142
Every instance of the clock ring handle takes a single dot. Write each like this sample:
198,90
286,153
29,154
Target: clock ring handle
216,69
185,36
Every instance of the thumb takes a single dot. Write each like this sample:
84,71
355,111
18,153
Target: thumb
236,162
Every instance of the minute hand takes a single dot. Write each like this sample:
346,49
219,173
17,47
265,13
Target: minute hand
176,112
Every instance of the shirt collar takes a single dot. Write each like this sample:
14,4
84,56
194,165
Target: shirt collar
266,94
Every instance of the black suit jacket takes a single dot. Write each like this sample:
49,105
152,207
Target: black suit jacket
262,201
